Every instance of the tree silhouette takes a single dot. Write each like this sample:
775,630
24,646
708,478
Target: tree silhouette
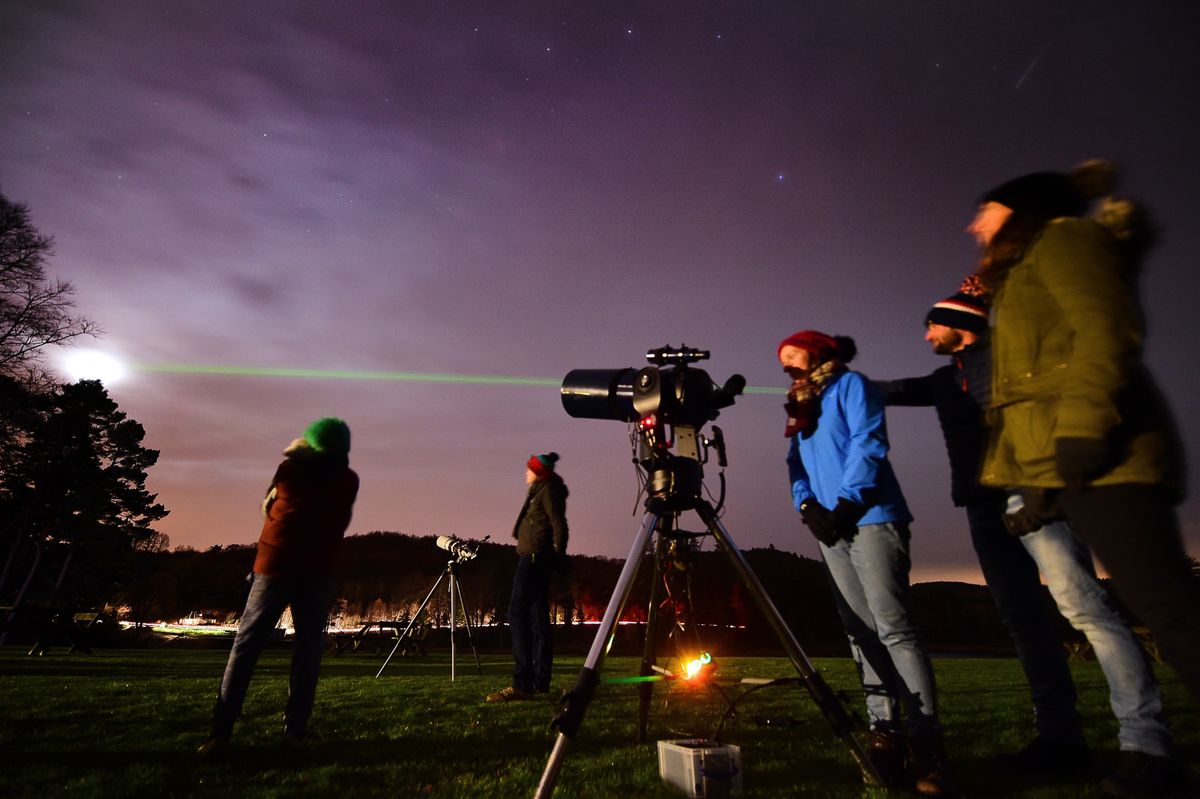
35,312
75,492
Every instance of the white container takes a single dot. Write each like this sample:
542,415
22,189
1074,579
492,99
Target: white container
700,768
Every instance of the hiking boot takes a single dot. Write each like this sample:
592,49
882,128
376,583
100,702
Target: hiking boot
212,748
927,764
509,694
1140,776
887,752
1046,757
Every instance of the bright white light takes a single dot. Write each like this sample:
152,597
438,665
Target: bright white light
93,365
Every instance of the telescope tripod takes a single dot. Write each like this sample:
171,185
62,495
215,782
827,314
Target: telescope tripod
455,588
575,702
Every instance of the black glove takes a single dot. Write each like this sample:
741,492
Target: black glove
1040,509
819,521
846,517
1023,522
1080,459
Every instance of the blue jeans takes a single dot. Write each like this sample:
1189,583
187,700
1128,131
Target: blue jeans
870,585
269,596
1066,565
529,622
1029,616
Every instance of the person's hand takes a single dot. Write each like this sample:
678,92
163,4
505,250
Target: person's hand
819,521
1080,459
846,516
1038,510
1023,522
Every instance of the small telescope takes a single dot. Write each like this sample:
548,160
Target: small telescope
461,550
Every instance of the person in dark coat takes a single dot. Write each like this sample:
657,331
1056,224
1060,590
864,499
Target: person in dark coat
541,533
306,512
1012,560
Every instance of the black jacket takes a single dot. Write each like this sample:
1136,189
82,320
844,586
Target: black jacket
542,524
953,390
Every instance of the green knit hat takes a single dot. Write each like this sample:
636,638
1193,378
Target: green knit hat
328,434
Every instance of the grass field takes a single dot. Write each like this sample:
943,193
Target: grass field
126,723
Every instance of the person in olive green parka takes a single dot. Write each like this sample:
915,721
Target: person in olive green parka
1077,423
1069,381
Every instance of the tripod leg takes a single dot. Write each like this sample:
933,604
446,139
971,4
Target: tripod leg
467,624
408,629
579,697
822,694
453,616
649,658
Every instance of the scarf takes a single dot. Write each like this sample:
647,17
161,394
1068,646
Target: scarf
804,398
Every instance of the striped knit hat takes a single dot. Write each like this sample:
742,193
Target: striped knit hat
966,309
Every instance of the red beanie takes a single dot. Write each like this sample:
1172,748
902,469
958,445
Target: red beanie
817,344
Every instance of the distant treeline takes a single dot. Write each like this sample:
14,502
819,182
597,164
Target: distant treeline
385,575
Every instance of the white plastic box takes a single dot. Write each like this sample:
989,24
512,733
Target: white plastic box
700,768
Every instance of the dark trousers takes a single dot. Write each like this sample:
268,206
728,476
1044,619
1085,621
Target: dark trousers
269,597
529,622
1134,531
1030,618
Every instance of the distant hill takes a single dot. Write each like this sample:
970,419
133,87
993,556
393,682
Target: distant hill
385,575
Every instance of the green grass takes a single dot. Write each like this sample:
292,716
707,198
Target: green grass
126,723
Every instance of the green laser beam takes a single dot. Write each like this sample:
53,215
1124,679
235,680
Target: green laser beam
340,374
356,374
633,680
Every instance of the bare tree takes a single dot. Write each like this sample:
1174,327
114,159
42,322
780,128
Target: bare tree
35,311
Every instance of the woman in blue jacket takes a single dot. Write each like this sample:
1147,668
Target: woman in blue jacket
847,495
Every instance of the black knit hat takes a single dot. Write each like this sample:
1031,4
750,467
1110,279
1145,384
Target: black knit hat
966,309
1044,194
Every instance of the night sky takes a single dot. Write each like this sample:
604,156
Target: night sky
522,189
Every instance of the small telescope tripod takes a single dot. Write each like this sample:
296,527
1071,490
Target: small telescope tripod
661,511
455,589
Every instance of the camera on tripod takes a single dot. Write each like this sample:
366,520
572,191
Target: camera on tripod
669,402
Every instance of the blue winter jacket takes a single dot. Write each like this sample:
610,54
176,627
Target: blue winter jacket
847,454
